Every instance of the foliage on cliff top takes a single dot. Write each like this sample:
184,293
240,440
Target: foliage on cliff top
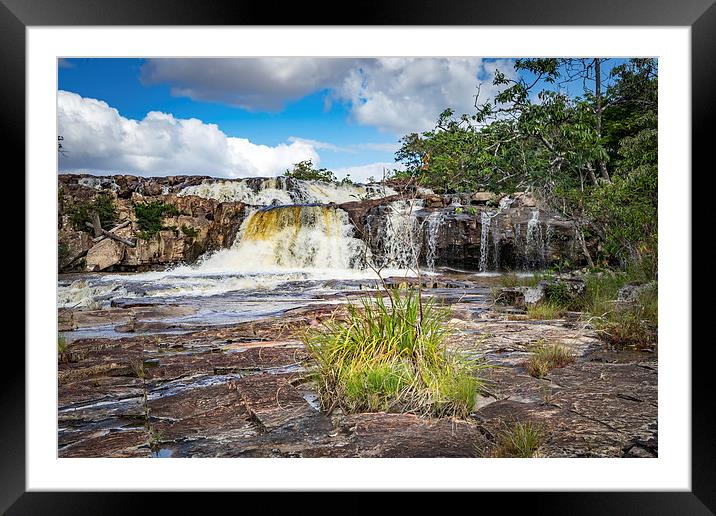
304,170
81,212
150,216
390,356
592,158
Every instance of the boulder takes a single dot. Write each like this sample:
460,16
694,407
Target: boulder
103,255
521,297
433,201
631,293
525,200
483,197
73,245
358,210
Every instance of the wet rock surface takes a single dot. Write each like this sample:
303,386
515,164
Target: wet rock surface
245,390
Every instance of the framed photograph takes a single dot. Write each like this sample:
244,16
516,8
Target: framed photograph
428,251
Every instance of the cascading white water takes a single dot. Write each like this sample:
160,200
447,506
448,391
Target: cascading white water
485,220
291,237
485,228
432,226
284,191
496,239
399,235
535,246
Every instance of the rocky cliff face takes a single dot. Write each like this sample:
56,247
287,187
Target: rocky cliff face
476,234
202,224
481,232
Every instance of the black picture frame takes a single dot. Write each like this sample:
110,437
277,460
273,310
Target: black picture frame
700,15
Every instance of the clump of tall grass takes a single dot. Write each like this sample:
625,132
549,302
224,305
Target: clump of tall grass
390,355
546,357
62,355
511,279
632,325
621,325
545,310
521,439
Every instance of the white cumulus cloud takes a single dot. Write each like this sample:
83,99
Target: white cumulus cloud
397,95
407,94
99,139
251,83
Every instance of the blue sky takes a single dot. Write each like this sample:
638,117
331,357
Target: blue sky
255,116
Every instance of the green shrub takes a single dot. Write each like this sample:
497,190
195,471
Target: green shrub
510,280
189,232
558,293
387,356
81,212
150,216
63,252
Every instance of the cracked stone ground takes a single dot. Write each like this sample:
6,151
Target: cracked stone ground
245,391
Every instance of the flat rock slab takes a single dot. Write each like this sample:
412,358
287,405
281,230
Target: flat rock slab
214,413
509,342
401,435
176,365
76,372
595,410
273,402
128,443
94,390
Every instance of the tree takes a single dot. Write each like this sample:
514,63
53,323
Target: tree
535,136
305,170
60,148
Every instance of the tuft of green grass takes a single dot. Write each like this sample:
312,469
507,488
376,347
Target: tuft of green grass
62,349
511,279
625,326
390,355
635,325
547,357
545,310
139,370
521,439
155,439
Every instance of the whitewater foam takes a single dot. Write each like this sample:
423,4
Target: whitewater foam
285,191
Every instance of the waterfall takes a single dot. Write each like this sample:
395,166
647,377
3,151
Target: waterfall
485,228
395,234
496,239
485,220
535,245
291,237
432,226
284,191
